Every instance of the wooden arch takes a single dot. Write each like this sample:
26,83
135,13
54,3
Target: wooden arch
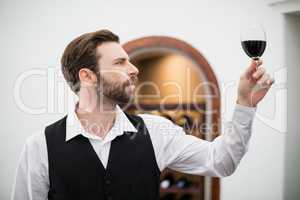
149,44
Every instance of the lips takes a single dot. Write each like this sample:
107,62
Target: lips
131,81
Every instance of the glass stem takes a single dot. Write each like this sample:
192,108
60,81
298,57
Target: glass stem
256,59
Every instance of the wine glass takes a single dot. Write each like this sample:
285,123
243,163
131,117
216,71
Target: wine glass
253,39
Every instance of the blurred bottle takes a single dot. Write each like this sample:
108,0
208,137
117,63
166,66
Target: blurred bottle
185,122
183,183
167,181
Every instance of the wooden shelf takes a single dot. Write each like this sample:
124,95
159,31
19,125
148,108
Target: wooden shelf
190,190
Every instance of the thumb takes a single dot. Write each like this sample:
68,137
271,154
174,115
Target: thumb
252,68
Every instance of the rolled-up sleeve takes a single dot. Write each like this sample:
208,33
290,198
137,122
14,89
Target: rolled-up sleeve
188,154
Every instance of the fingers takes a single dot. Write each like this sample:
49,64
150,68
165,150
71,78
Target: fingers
252,68
259,73
270,81
265,81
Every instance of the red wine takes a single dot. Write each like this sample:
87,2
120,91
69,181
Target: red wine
254,48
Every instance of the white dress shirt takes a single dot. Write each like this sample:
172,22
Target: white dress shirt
172,147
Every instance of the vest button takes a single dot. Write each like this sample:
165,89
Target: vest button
107,182
109,197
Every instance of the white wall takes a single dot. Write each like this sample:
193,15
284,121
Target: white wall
292,149
34,34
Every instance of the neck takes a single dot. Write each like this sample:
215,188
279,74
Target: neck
96,113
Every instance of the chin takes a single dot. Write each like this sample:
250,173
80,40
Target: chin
125,96
129,90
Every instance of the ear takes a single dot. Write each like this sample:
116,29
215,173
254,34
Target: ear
87,77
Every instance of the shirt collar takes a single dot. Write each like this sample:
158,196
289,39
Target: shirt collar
122,124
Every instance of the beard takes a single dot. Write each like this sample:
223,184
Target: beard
118,92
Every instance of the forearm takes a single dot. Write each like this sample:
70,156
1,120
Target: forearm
229,148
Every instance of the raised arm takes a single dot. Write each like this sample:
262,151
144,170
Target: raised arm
189,154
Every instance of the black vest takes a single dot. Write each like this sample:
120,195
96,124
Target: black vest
76,173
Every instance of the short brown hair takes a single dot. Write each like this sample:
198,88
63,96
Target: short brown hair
81,53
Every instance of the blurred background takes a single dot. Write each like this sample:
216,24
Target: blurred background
201,39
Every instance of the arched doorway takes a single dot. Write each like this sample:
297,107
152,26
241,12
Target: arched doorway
163,59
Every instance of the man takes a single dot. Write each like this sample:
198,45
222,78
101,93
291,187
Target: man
99,152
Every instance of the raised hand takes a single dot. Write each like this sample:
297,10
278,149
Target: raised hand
254,84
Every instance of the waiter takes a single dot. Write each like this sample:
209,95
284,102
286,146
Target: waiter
99,152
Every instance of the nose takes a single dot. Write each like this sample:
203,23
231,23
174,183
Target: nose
133,70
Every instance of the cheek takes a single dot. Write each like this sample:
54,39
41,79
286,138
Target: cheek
115,77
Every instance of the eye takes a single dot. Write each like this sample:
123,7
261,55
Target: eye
120,62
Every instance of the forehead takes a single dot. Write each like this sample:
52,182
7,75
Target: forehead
110,51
